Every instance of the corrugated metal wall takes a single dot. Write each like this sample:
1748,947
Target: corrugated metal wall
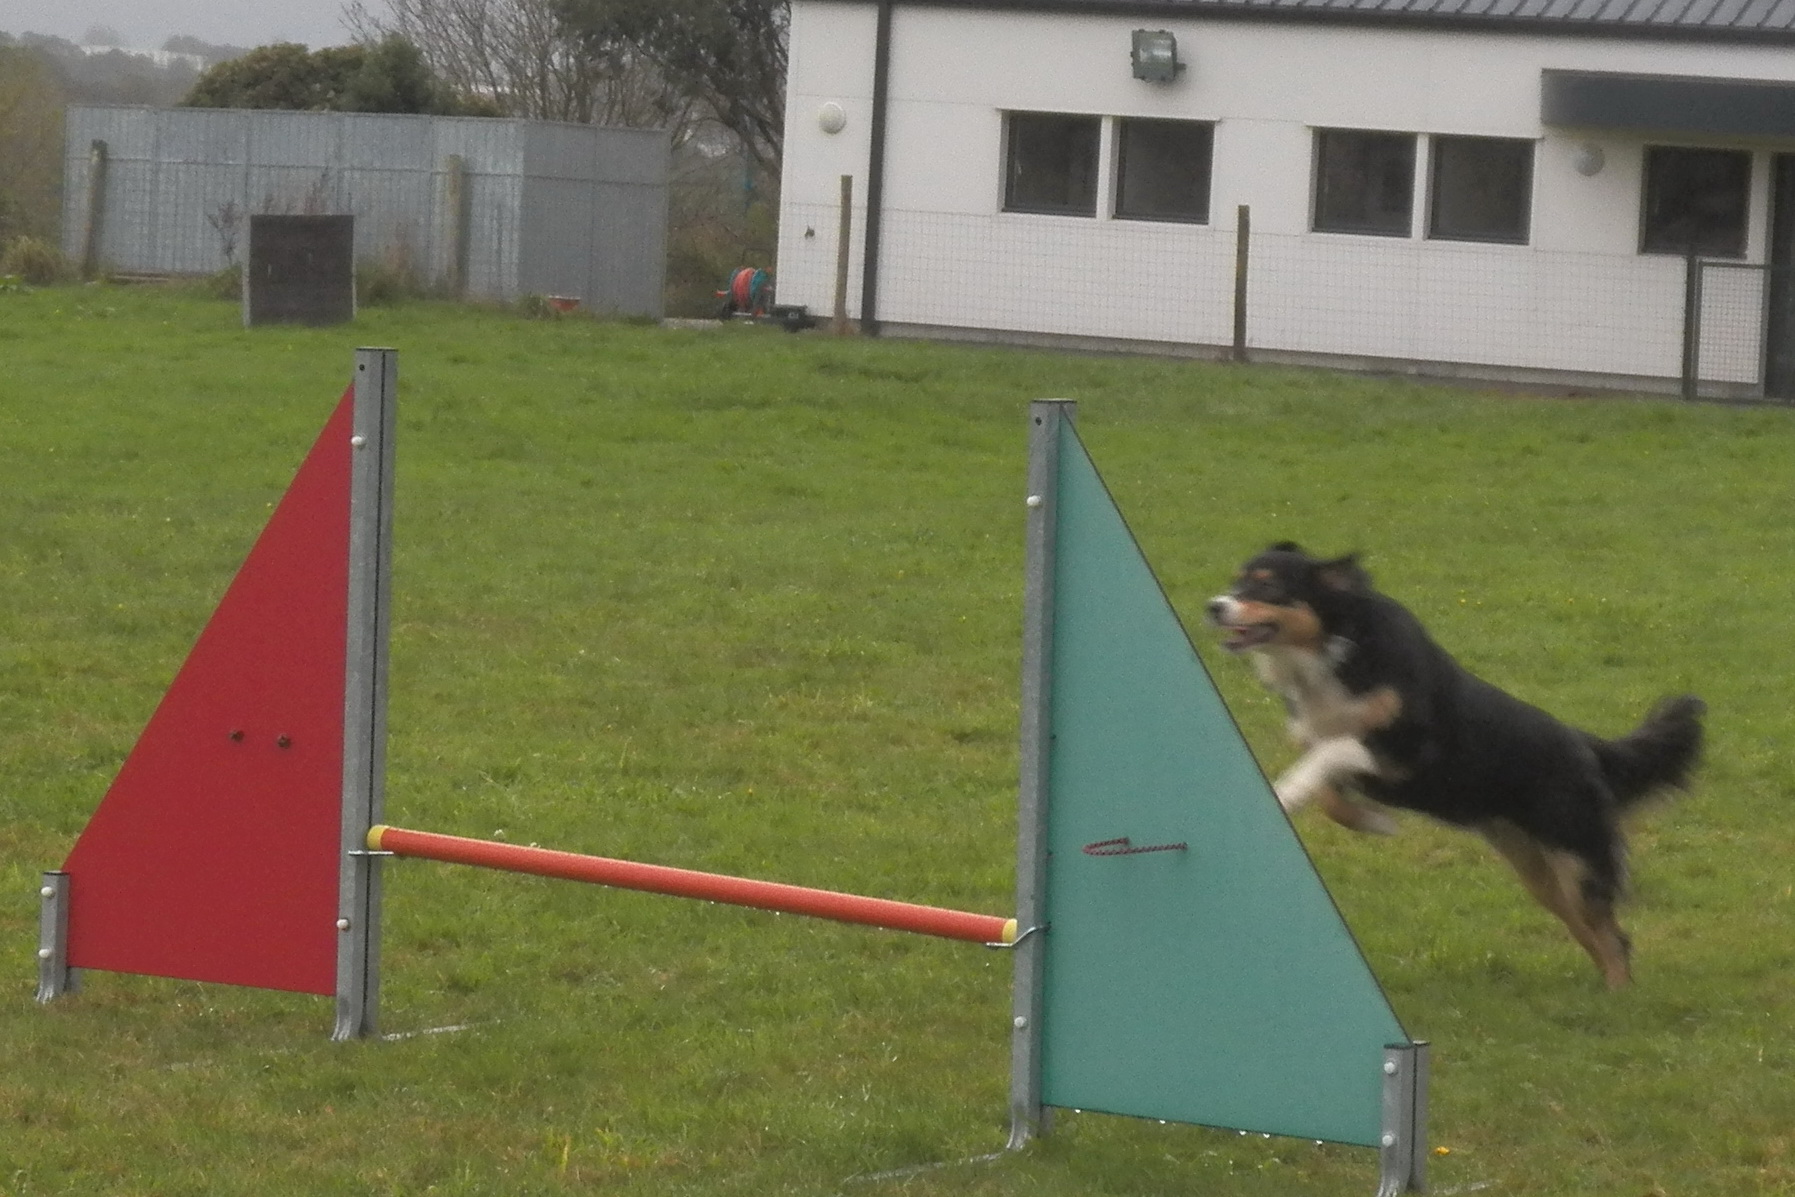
610,200
549,208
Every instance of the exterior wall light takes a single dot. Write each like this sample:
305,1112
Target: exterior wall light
1156,56
1588,159
831,117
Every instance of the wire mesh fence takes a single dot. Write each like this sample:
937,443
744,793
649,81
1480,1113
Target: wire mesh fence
1144,282
1461,306
1728,315
1478,305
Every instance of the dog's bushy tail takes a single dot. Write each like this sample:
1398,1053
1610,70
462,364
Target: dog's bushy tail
1660,753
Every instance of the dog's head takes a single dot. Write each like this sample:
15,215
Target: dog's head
1284,597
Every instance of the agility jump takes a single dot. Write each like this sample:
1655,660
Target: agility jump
688,883
1203,976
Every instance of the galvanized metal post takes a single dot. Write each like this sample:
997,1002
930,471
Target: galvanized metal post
54,976
1402,1153
364,700
1048,419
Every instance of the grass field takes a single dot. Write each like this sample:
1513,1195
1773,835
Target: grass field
748,602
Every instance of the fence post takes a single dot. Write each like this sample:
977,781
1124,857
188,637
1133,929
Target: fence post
1242,233
1692,324
455,203
95,225
843,243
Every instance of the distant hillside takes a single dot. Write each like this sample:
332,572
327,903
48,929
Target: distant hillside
114,75
40,76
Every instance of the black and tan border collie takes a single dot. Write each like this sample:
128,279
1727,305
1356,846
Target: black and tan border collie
1382,712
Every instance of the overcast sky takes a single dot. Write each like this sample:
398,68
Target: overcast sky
146,24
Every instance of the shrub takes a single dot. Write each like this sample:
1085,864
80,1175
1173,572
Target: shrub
536,307
226,283
721,217
34,260
391,278
704,254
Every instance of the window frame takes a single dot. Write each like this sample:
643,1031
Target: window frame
1321,222
1118,205
1438,141
1659,244
1030,205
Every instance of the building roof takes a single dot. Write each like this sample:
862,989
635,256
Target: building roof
1708,20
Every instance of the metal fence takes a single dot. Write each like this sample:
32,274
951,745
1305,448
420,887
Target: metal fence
1739,333
491,209
1518,313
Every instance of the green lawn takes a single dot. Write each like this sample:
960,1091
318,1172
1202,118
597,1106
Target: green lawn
736,600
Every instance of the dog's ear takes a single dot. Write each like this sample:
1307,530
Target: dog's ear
1287,546
1344,573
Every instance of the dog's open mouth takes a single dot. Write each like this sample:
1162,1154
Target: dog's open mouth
1240,637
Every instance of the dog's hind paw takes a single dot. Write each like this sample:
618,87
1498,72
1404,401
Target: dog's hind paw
1376,822
1356,816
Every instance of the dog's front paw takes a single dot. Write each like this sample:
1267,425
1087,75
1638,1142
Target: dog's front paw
1293,793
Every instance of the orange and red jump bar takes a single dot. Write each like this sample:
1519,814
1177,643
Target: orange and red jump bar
687,883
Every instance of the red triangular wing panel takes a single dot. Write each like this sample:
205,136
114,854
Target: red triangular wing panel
215,854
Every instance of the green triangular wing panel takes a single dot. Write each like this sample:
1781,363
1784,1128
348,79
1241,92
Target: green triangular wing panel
1216,984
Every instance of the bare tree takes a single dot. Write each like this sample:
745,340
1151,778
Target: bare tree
729,56
518,55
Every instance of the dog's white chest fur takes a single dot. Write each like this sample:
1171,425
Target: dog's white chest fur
1320,707
1327,721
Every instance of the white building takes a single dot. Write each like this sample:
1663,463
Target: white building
1494,188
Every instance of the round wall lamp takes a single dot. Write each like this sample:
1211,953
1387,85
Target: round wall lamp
1588,159
831,117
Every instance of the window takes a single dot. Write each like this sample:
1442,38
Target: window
1482,189
1695,201
1162,170
1051,164
1364,182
